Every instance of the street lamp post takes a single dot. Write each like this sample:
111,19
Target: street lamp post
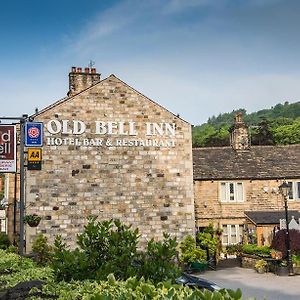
284,190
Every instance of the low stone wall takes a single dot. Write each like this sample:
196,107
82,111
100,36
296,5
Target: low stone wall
249,261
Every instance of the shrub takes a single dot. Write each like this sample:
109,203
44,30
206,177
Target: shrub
157,262
208,241
261,265
132,288
43,250
110,247
190,252
68,265
104,247
279,241
296,260
4,241
11,262
253,249
234,249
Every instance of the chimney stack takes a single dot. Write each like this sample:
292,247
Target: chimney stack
239,134
79,81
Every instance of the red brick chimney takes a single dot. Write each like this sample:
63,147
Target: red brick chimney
79,80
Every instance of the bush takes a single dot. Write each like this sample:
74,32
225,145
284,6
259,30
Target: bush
234,249
104,247
253,249
132,288
279,241
43,250
190,252
157,263
11,262
68,265
207,240
4,241
110,247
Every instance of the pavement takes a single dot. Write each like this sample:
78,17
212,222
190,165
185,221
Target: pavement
253,285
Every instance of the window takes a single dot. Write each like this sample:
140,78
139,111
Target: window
294,190
232,234
231,192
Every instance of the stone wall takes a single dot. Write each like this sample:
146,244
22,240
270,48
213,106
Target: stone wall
259,195
147,185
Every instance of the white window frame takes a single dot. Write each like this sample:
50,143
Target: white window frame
228,196
230,233
295,193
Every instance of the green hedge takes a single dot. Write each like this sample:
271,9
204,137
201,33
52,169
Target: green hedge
253,249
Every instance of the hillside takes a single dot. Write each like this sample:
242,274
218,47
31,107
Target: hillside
277,125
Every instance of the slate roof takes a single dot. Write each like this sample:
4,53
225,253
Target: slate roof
270,217
260,162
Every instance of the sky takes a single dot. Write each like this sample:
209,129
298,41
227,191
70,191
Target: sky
197,58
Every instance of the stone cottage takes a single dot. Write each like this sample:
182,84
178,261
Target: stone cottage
229,181
111,152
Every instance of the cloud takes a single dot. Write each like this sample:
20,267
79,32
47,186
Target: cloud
178,6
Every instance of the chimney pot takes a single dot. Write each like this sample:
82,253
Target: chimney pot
86,70
73,70
79,70
93,70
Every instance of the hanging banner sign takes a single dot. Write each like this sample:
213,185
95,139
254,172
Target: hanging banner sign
8,148
33,134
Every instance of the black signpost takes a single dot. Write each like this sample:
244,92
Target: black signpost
32,133
21,121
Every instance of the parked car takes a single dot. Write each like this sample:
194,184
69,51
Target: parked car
200,283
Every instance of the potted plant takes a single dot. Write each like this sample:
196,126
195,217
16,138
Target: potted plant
276,254
282,269
32,220
261,266
296,263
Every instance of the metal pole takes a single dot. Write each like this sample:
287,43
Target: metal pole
22,186
288,244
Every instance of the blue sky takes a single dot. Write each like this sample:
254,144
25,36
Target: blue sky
197,58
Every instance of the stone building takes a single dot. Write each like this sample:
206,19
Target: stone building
229,181
111,152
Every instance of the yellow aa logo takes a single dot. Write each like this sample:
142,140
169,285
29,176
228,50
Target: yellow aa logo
34,154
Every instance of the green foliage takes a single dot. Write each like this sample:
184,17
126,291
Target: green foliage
110,247
252,249
157,263
34,273
288,134
43,250
296,260
32,220
261,264
190,252
279,125
208,240
68,264
4,241
234,249
132,288
11,262
104,247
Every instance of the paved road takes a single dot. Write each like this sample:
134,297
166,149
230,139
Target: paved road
252,284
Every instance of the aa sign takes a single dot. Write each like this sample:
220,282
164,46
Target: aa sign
34,154
8,149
